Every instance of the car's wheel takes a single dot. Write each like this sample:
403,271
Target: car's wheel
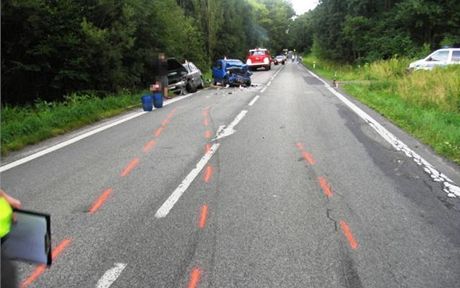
268,67
189,88
201,86
248,83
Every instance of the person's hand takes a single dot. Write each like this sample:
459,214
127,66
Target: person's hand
15,203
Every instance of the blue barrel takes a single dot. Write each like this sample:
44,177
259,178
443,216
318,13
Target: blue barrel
157,99
147,102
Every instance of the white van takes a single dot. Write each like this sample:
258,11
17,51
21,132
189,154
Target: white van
441,57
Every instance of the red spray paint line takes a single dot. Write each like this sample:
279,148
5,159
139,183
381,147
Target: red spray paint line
165,122
308,157
130,167
100,201
208,134
194,278
208,174
347,232
158,131
203,216
207,148
206,110
171,114
149,146
41,268
205,121
325,186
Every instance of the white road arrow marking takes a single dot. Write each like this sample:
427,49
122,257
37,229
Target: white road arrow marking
230,129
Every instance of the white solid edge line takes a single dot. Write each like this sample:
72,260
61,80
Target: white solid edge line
253,100
176,194
110,276
269,83
450,187
80,137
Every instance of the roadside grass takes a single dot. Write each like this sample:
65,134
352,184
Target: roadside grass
207,76
22,126
424,103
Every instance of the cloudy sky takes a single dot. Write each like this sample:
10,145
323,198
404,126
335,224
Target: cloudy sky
302,6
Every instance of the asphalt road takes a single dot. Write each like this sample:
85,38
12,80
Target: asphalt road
302,192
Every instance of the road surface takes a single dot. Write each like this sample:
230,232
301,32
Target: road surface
283,184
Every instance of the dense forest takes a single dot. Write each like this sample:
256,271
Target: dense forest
368,30
51,48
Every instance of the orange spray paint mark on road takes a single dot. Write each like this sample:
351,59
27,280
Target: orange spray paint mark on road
208,174
325,186
159,131
207,148
165,122
347,232
194,278
149,146
42,268
171,114
207,134
203,216
308,157
205,121
100,201
133,164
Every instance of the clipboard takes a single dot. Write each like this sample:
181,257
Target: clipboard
30,238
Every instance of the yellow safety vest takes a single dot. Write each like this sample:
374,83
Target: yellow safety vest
6,217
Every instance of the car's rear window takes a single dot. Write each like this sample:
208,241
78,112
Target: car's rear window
235,62
455,56
258,53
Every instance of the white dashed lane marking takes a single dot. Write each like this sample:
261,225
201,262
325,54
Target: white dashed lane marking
110,276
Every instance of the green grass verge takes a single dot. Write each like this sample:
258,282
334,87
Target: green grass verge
424,103
22,126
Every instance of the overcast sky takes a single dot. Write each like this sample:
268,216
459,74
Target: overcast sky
302,6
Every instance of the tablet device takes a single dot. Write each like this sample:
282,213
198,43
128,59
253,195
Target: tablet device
29,238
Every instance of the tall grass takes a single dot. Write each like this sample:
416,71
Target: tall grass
21,126
424,103
438,89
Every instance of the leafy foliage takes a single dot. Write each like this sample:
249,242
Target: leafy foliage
54,48
368,30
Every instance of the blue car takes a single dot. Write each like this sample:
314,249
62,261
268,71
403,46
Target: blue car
231,72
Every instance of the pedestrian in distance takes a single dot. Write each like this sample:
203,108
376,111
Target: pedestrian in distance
160,75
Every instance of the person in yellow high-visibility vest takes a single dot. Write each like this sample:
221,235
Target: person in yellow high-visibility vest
7,203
